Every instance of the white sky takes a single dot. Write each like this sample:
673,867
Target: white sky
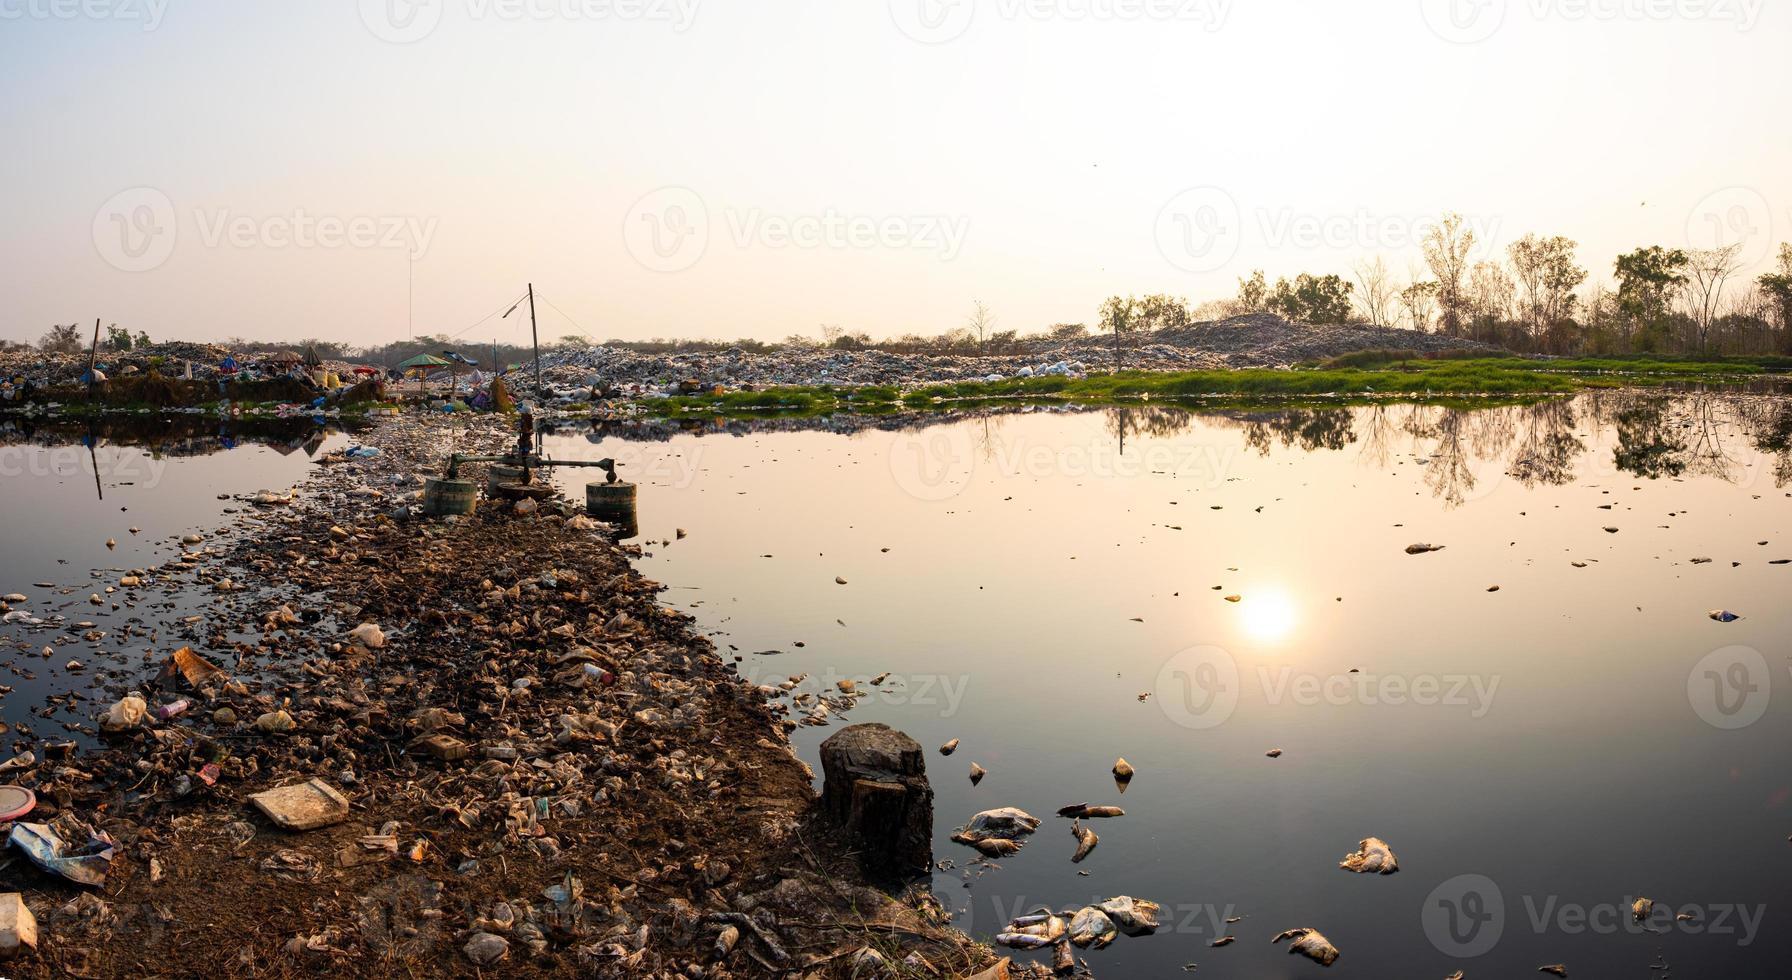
163,158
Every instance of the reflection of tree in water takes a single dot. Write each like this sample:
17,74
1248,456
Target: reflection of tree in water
1449,475
1708,457
1378,427
1160,421
1647,445
1769,423
1310,429
1546,453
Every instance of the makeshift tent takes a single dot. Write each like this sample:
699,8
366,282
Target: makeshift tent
311,358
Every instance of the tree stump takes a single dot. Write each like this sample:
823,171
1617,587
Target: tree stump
875,788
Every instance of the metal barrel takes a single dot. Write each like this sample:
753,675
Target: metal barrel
498,474
444,497
613,503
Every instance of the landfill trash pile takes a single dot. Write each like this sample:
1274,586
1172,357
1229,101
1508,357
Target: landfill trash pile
1252,340
399,745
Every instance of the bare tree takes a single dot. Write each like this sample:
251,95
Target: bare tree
981,322
1378,293
1419,299
1708,270
1447,245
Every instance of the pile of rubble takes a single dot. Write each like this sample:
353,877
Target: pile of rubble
399,745
1252,340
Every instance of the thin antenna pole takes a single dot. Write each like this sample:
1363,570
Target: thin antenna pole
536,337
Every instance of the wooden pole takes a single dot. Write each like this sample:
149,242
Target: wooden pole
93,355
536,337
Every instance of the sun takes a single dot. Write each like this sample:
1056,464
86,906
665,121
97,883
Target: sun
1269,616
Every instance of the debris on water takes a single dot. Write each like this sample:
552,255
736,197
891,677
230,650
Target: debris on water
1274,753
129,712
1723,615
1309,943
1035,930
1611,530
1084,810
198,672
977,773
1372,856
1422,548
1223,941
1134,916
45,845
949,748
1640,909
1002,823
839,581
1091,928
1085,841
1123,770
1555,968
302,806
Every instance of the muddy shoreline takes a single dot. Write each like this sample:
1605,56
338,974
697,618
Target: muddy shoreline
547,771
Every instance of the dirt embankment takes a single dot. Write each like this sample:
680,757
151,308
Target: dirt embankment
547,772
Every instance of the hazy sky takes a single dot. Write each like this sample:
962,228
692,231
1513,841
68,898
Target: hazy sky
206,168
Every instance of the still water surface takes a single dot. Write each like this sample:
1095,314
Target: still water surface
1050,588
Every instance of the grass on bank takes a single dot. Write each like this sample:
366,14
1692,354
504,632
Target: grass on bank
1360,374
